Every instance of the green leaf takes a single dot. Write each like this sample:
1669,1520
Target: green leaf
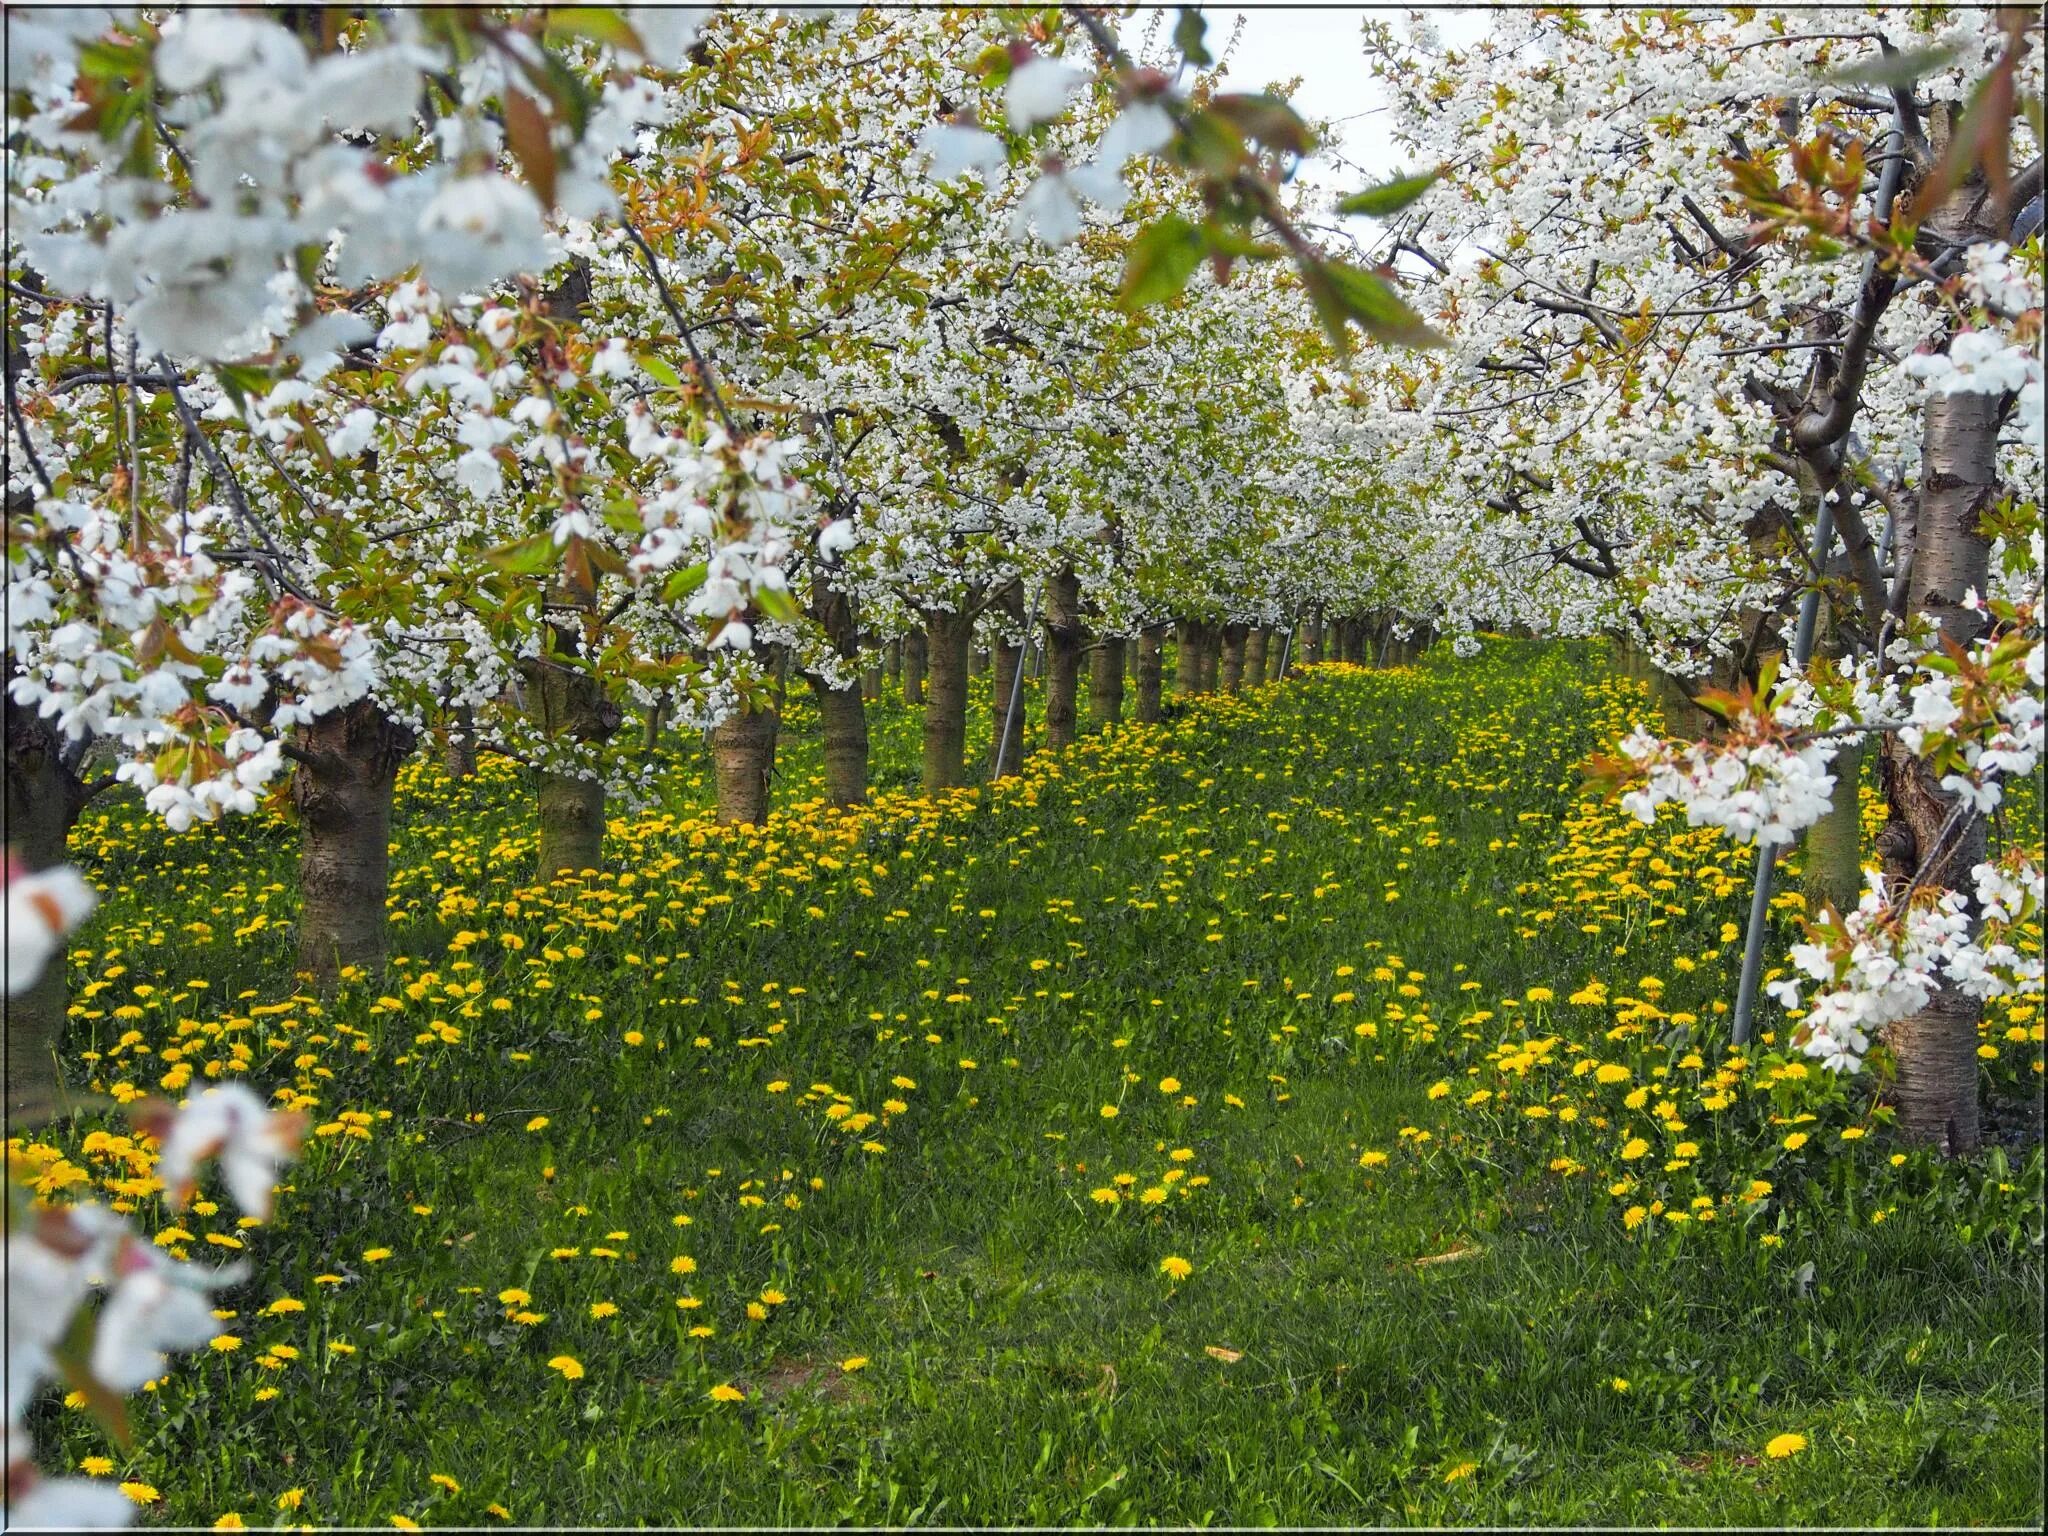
993,65
659,370
104,59
776,603
1390,196
598,23
237,380
1345,295
572,98
1188,36
1210,144
683,583
1267,119
1160,261
73,1356
1233,240
525,557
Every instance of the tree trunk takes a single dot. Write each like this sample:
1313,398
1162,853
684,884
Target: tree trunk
1831,871
1066,636
568,704
1212,657
947,639
1234,636
43,799
845,723
842,714
657,722
1106,683
572,824
1255,646
743,760
1681,717
913,667
1936,1048
459,758
1831,861
1312,642
892,660
1007,658
1150,665
342,792
1187,659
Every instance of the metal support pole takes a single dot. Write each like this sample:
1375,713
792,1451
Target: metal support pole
1802,646
1286,650
1767,857
1809,607
1016,690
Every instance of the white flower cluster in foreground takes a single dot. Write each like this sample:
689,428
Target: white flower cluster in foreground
59,1257
1884,961
1976,717
1762,791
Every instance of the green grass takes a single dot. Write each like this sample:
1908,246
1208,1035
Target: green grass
1028,1361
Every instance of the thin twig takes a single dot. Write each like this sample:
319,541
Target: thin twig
668,302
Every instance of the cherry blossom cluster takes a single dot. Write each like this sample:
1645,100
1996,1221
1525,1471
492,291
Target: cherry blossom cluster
1758,786
1866,969
58,1258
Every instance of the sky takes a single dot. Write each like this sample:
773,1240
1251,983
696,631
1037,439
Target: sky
1321,45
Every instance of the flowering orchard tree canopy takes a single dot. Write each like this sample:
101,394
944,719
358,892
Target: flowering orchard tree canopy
543,381
391,361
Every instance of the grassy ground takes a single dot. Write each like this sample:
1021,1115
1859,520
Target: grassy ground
1322,993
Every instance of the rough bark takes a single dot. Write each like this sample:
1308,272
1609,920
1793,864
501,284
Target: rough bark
657,722
1211,653
572,824
1936,1048
1106,683
349,760
1150,643
1681,717
1312,642
1009,603
743,763
845,723
1831,857
913,667
947,637
842,714
1831,863
43,799
566,703
892,660
458,757
1187,658
1255,646
1065,639
1233,657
